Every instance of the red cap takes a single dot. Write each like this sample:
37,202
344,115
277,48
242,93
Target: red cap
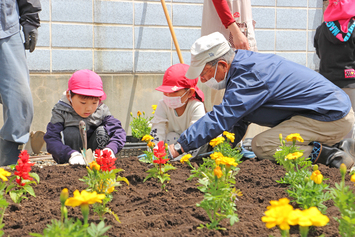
175,79
88,83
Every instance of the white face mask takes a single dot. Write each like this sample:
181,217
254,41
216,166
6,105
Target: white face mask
212,83
174,102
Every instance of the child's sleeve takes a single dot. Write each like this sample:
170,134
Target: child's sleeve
198,111
315,42
116,133
159,123
60,152
223,12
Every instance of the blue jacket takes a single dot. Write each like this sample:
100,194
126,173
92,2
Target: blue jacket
267,89
16,12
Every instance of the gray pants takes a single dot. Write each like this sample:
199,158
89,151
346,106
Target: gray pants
98,139
15,90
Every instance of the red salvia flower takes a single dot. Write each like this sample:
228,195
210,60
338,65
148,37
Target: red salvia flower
160,151
23,168
106,162
160,161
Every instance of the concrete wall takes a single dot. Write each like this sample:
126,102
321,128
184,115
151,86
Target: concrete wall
129,44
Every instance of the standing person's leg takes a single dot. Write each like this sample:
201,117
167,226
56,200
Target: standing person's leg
265,144
16,98
351,93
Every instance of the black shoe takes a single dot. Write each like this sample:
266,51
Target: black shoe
334,156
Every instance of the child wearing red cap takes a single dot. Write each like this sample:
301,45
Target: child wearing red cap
335,46
82,101
181,106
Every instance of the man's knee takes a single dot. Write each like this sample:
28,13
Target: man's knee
263,150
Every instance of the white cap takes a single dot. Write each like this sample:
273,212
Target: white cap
204,50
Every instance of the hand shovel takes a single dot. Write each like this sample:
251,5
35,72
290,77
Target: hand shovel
87,153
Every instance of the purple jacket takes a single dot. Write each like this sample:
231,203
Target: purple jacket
63,115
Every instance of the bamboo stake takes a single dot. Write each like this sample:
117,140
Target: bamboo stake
172,31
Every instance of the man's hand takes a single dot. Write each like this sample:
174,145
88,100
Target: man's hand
31,35
173,152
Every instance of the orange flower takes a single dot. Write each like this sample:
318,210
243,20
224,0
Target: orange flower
218,172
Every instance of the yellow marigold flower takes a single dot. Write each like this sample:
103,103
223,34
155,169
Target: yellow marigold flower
217,141
4,174
216,155
293,156
278,216
294,136
229,135
151,144
228,161
308,217
154,107
317,177
218,172
94,165
147,138
153,112
185,158
84,198
352,179
280,202
139,113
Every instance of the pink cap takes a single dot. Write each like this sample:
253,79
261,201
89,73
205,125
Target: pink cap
175,79
86,82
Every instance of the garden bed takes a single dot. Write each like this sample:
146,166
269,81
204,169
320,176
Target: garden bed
145,210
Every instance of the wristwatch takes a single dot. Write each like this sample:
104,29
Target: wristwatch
177,147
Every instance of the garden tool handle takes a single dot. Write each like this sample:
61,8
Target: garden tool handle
82,130
171,28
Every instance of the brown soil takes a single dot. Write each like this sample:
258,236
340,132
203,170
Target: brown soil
145,210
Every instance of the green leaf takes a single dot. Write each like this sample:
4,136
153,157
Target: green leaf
30,190
35,176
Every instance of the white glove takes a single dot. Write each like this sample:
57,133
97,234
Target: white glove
76,159
108,149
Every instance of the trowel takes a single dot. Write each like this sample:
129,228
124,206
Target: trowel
87,153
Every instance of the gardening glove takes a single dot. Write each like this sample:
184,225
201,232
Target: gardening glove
108,149
76,159
31,35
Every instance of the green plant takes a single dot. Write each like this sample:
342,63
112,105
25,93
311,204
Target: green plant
140,125
306,188
69,227
311,191
344,200
3,203
23,178
161,165
216,179
102,179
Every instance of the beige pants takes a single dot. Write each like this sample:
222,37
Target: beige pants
265,144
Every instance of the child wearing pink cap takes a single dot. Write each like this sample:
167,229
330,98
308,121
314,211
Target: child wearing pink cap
335,46
181,106
82,101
